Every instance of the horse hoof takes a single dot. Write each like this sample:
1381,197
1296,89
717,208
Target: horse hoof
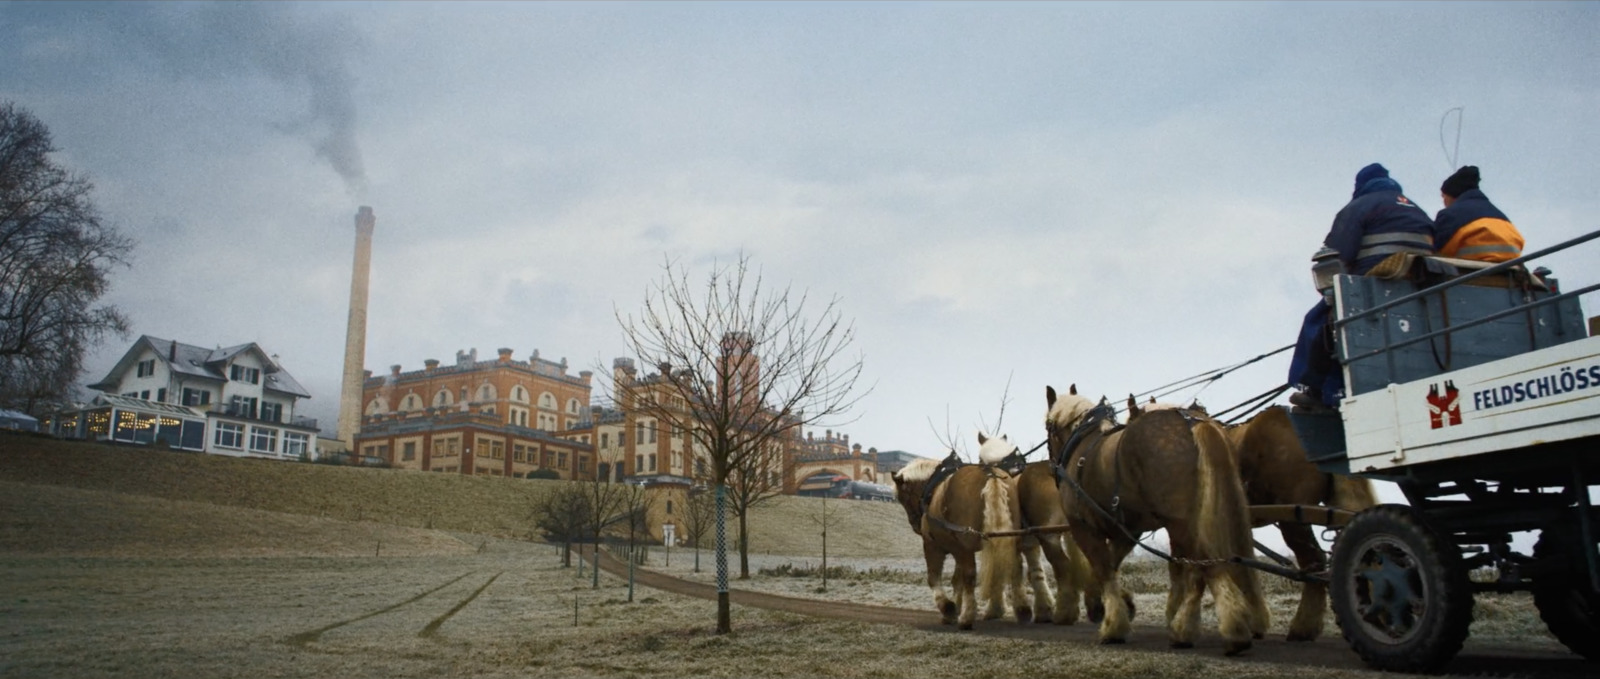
1183,644
1112,641
948,610
1300,637
1043,618
1097,613
1234,648
965,626
1257,635
1024,615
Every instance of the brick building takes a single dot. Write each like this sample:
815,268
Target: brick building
500,417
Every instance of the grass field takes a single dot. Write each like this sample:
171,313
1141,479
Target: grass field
125,562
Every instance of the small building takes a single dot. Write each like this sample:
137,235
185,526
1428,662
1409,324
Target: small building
229,401
17,421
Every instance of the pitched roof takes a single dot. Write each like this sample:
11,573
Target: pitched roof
188,359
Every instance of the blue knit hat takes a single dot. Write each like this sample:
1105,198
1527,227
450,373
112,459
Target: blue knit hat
1370,173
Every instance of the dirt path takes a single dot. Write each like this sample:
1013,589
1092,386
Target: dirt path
1330,652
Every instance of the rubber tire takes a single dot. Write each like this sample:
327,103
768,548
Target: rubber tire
1566,604
1428,561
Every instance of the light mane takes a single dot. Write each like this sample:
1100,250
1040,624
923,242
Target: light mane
920,469
1161,405
995,449
1070,409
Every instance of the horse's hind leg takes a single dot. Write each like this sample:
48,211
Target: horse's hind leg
1307,622
965,583
1237,595
935,560
1184,604
1042,602
1070,569
1117,623
1014,582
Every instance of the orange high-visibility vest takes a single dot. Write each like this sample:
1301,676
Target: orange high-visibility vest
1487,239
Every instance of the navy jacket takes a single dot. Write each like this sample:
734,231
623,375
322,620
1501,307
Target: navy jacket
1377,222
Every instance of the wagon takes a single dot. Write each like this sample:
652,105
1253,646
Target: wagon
1475,389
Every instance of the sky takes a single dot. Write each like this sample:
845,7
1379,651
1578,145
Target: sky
1001,196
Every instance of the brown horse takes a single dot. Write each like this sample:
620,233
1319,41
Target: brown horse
951,506
1161,471
1041,506
1275,471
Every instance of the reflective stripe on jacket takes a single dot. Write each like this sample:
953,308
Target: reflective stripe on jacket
1378,224
1473,228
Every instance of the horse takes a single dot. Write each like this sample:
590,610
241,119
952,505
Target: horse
951,505
1160,471
1041,506
1275,471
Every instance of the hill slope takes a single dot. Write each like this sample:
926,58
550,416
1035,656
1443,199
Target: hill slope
495,506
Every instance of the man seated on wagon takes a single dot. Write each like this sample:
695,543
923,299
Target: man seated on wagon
1379,221
1471,227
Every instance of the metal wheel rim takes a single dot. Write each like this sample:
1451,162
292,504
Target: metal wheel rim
1388,590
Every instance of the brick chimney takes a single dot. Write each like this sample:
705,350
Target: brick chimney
355,339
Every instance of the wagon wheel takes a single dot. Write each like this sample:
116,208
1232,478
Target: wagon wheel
1399,591
1567,603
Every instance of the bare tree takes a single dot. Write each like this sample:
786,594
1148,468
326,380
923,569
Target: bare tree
606,510
699,518
562,514
636,505
825,517
754,481
745,366
56,256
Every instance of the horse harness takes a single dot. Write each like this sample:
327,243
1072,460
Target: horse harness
947,468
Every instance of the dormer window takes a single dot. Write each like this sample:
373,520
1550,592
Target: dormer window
239,373
147,368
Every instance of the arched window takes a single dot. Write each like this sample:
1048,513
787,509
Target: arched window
547,401
519,394
411,402
377,406
572,406
486,393
442,398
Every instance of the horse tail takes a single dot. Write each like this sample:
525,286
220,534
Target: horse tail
1222,514
1000,563
1352,492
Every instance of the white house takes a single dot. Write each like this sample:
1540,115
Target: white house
229,401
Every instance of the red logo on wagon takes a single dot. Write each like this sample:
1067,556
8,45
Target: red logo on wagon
1444,408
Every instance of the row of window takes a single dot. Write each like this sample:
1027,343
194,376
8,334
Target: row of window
231,435
486,393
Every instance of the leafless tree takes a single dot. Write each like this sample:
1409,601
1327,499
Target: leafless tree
699,519
824,517
56,256
751,483
562,514
746,367
636,505
606,510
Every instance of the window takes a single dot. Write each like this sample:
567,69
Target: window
408,451
547,401
241,406
411,402
519,394
230,435
447,446
561,460
486,393
264,439
442,398
239,373
622,439
196,397
652,460
145,394
161,395
605,440
572,406
295,444
519,452
497,450
147,368
652,432
638,432
583,464
669,506
272,412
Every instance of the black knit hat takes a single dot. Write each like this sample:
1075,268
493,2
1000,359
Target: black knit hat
1464,180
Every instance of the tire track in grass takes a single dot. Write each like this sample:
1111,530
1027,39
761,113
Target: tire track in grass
304,638
433,627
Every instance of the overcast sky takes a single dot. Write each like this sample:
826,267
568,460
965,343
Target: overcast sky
1112,195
